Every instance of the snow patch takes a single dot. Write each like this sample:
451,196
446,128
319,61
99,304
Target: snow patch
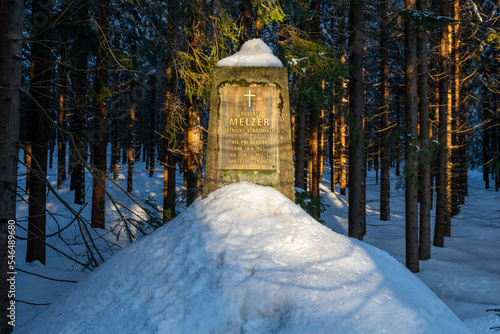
254,52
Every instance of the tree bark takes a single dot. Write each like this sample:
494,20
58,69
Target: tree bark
38,130
79,117
152,122
300,149
443,184
11,36
411,153
131,138
100,139
313,152
385,150
425,155
356,106
61,139
195,110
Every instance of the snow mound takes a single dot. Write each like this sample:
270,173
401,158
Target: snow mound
253,52
248,260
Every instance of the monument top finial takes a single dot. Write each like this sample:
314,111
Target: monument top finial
253,52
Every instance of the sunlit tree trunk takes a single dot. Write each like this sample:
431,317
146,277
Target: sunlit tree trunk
356,106
333,150
313,152
443,181
343,110
456,102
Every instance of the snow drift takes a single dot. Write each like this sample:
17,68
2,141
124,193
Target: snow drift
248,260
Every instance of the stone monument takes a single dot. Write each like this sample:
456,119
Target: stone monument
249,135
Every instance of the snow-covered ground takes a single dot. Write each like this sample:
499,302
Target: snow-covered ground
465,274
246,260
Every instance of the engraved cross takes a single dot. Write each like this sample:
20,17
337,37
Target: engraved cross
249,97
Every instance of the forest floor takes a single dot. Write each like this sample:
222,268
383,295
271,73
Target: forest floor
465,274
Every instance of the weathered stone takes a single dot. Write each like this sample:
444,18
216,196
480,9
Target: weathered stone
249,135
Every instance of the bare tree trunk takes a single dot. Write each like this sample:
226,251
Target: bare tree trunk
425,154
195,110
115,140
169,194
356,105
343,154
11,37
100,139
152,121
333,150
131,139
411,153
38,133
385,150
61,140
442,184
300,149
313,152
79,117
194,146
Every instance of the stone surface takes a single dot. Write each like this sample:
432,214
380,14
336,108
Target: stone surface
249,136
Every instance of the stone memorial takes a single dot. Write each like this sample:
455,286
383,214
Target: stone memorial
249,134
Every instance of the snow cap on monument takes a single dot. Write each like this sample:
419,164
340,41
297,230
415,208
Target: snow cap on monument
255,53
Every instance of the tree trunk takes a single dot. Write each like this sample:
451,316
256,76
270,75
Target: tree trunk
131,138
38,132
333,150
169,194
313,152
411,153
195,110
61,139
100,139
356,105
442,184
79,117
300,149
194,147
385,151
425,154
152,122
11,37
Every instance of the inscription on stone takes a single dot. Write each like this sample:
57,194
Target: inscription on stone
248,129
